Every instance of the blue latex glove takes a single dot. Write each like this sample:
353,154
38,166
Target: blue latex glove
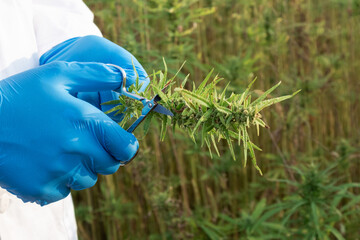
50,141
98,49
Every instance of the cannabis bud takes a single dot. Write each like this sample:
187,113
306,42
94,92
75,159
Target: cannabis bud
202,111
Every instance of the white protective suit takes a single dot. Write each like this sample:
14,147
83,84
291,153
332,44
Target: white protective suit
29,28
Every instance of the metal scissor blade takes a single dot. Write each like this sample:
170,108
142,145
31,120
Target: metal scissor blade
162,110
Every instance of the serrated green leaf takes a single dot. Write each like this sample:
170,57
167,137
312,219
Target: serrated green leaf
162,80
147,122
245,140
208,145
265,94
244,95
222,109
163,127
202,85
253,158
201,120
165,68
181,67
214,144
185,80
162,95
116,108
231,148
196,98
112,102
222,95
269,102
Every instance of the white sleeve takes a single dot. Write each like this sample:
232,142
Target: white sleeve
56,21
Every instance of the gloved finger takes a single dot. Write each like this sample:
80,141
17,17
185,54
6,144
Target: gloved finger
49,196
120,144
98,98
98,49
91,97
77,170
87,150
90,159
99,160
87,77
83,177
109,52
42,196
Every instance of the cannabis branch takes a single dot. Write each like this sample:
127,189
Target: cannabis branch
202,111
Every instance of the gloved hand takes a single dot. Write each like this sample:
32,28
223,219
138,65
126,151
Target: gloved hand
98,49
50,141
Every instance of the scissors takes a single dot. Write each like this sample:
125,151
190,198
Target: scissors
148,105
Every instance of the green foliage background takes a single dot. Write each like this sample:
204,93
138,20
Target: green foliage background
310,158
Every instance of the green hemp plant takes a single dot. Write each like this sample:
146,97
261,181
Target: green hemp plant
202,111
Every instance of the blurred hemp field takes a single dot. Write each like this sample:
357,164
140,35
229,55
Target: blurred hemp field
311,153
